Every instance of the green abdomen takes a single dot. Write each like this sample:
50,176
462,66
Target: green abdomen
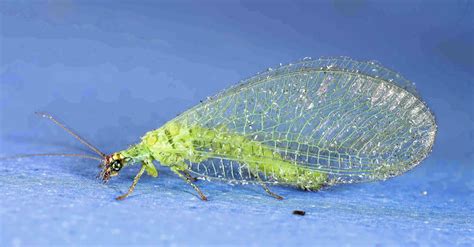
175,144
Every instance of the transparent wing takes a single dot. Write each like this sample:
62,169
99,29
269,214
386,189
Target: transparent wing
356,121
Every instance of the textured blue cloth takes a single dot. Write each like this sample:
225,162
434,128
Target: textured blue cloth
113,72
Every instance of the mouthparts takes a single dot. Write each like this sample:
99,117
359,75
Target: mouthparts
105,174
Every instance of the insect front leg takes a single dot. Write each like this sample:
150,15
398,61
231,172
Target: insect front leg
135,181
179,170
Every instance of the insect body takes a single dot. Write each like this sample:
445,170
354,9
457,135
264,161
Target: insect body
174,144
307,125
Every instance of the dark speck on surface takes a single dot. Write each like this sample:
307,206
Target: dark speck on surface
299,212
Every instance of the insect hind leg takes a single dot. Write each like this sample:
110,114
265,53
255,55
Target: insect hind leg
274,195
264,186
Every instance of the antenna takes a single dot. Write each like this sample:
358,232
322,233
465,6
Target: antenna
48,116
85,156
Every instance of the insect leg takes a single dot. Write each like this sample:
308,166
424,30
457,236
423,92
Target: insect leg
178,171
265,187
135,181
183,170
188,176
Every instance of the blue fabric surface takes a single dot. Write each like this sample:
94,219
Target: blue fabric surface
113,72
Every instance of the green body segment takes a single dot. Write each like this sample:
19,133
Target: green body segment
175,144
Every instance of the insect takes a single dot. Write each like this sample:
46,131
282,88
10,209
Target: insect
311,124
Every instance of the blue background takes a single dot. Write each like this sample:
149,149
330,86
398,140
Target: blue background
114,70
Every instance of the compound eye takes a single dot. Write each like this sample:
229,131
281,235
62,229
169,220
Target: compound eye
116,165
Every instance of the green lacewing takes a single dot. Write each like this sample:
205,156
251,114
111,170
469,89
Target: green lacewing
311,124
